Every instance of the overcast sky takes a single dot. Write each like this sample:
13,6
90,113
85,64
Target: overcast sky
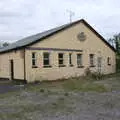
21,18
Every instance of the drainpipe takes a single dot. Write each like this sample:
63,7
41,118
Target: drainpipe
24,66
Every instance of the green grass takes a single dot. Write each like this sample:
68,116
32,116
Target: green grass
10,94
113,75
83,84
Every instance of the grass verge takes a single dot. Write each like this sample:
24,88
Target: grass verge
83,84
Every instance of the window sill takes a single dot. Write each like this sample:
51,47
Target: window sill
34,67
80,66
62,65
92,66
47,66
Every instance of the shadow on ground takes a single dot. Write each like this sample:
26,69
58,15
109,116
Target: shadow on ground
8,86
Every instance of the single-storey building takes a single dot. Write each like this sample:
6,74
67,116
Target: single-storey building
62,52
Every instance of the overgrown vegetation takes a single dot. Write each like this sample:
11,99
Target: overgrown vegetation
84,84
118,62
93,75
115,42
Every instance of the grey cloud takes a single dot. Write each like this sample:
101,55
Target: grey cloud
14,14
20,18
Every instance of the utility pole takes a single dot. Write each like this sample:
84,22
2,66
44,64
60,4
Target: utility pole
71,14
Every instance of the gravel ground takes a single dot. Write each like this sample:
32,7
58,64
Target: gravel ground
76,106
8,86
57,105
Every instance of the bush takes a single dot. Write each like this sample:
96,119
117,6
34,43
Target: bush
93,75
97,76
42,90
36,82
66,94
87,72
118,64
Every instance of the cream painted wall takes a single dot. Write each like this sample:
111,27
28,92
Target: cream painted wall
17,57
54,72
67,39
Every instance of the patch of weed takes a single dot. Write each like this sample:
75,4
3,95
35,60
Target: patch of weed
66,94
42,90
83,85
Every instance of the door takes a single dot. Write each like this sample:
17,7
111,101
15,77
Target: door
12,69
99,64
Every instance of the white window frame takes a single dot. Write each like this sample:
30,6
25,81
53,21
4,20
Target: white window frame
92,60
48,65
109,61
34,59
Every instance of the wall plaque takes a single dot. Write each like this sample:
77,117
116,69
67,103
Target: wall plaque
81,36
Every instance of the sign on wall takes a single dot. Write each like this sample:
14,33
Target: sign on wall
81,36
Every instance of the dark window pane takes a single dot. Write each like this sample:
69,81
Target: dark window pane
46,61
60,55
60,59
108,61
33,59
70,59
91,59
33,62
33,55
46,55
79,55
61,62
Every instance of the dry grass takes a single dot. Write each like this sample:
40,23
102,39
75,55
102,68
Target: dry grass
83,84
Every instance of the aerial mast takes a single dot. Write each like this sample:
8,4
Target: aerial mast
71,14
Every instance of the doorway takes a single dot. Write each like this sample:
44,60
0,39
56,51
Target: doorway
12,69
99,64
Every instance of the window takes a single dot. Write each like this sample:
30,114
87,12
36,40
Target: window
61,60
108,61
46,59
92,60
70,59
99,64
79,60
33,59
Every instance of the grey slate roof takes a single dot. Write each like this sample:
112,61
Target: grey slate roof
29,40
34,38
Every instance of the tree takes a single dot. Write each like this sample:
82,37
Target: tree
115,42
5,44
111,41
